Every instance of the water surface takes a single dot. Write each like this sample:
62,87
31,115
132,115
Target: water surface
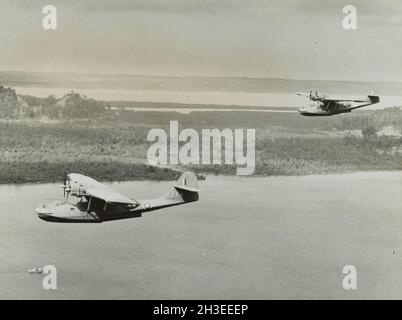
250,99
247,238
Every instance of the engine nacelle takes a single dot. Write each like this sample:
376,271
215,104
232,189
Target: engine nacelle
77,190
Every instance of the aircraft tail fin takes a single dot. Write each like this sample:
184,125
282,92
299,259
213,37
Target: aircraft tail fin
187,186
183,191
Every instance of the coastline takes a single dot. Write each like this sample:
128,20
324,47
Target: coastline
149,173
38,149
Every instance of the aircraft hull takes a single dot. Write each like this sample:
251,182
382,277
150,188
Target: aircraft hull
50,218
322,114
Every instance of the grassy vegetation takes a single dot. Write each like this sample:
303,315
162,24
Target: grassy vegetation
113,146
44,171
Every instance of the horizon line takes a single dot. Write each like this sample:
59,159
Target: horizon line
193,76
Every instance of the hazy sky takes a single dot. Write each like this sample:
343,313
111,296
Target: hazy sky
289,39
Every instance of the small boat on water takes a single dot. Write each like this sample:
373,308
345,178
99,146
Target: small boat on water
35,270
201,176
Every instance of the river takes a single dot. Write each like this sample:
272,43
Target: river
247,238
245,99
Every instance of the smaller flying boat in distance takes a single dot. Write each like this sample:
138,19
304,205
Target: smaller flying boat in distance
95,202
327,106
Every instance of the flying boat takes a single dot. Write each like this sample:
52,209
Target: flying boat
89,201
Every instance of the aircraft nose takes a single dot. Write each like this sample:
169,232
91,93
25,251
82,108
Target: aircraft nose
42,209
42,212
42,216
47,217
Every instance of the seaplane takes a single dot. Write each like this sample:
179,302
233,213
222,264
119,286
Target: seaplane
89,201
323,105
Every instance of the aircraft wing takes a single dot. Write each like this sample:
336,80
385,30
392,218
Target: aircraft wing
109,195
370,99
93,188
367,99
328,98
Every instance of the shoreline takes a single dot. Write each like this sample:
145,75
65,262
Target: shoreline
208,175
217,98
36,151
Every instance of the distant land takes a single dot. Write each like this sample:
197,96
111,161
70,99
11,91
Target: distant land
203,84
41,135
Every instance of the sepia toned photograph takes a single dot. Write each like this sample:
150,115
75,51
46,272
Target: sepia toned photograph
200,150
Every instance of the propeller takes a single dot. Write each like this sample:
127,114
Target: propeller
66,185
315,96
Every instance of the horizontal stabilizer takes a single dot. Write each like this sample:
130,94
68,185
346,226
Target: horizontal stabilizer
186,188
374,99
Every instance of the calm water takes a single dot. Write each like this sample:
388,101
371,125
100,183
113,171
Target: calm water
256,99
280,237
